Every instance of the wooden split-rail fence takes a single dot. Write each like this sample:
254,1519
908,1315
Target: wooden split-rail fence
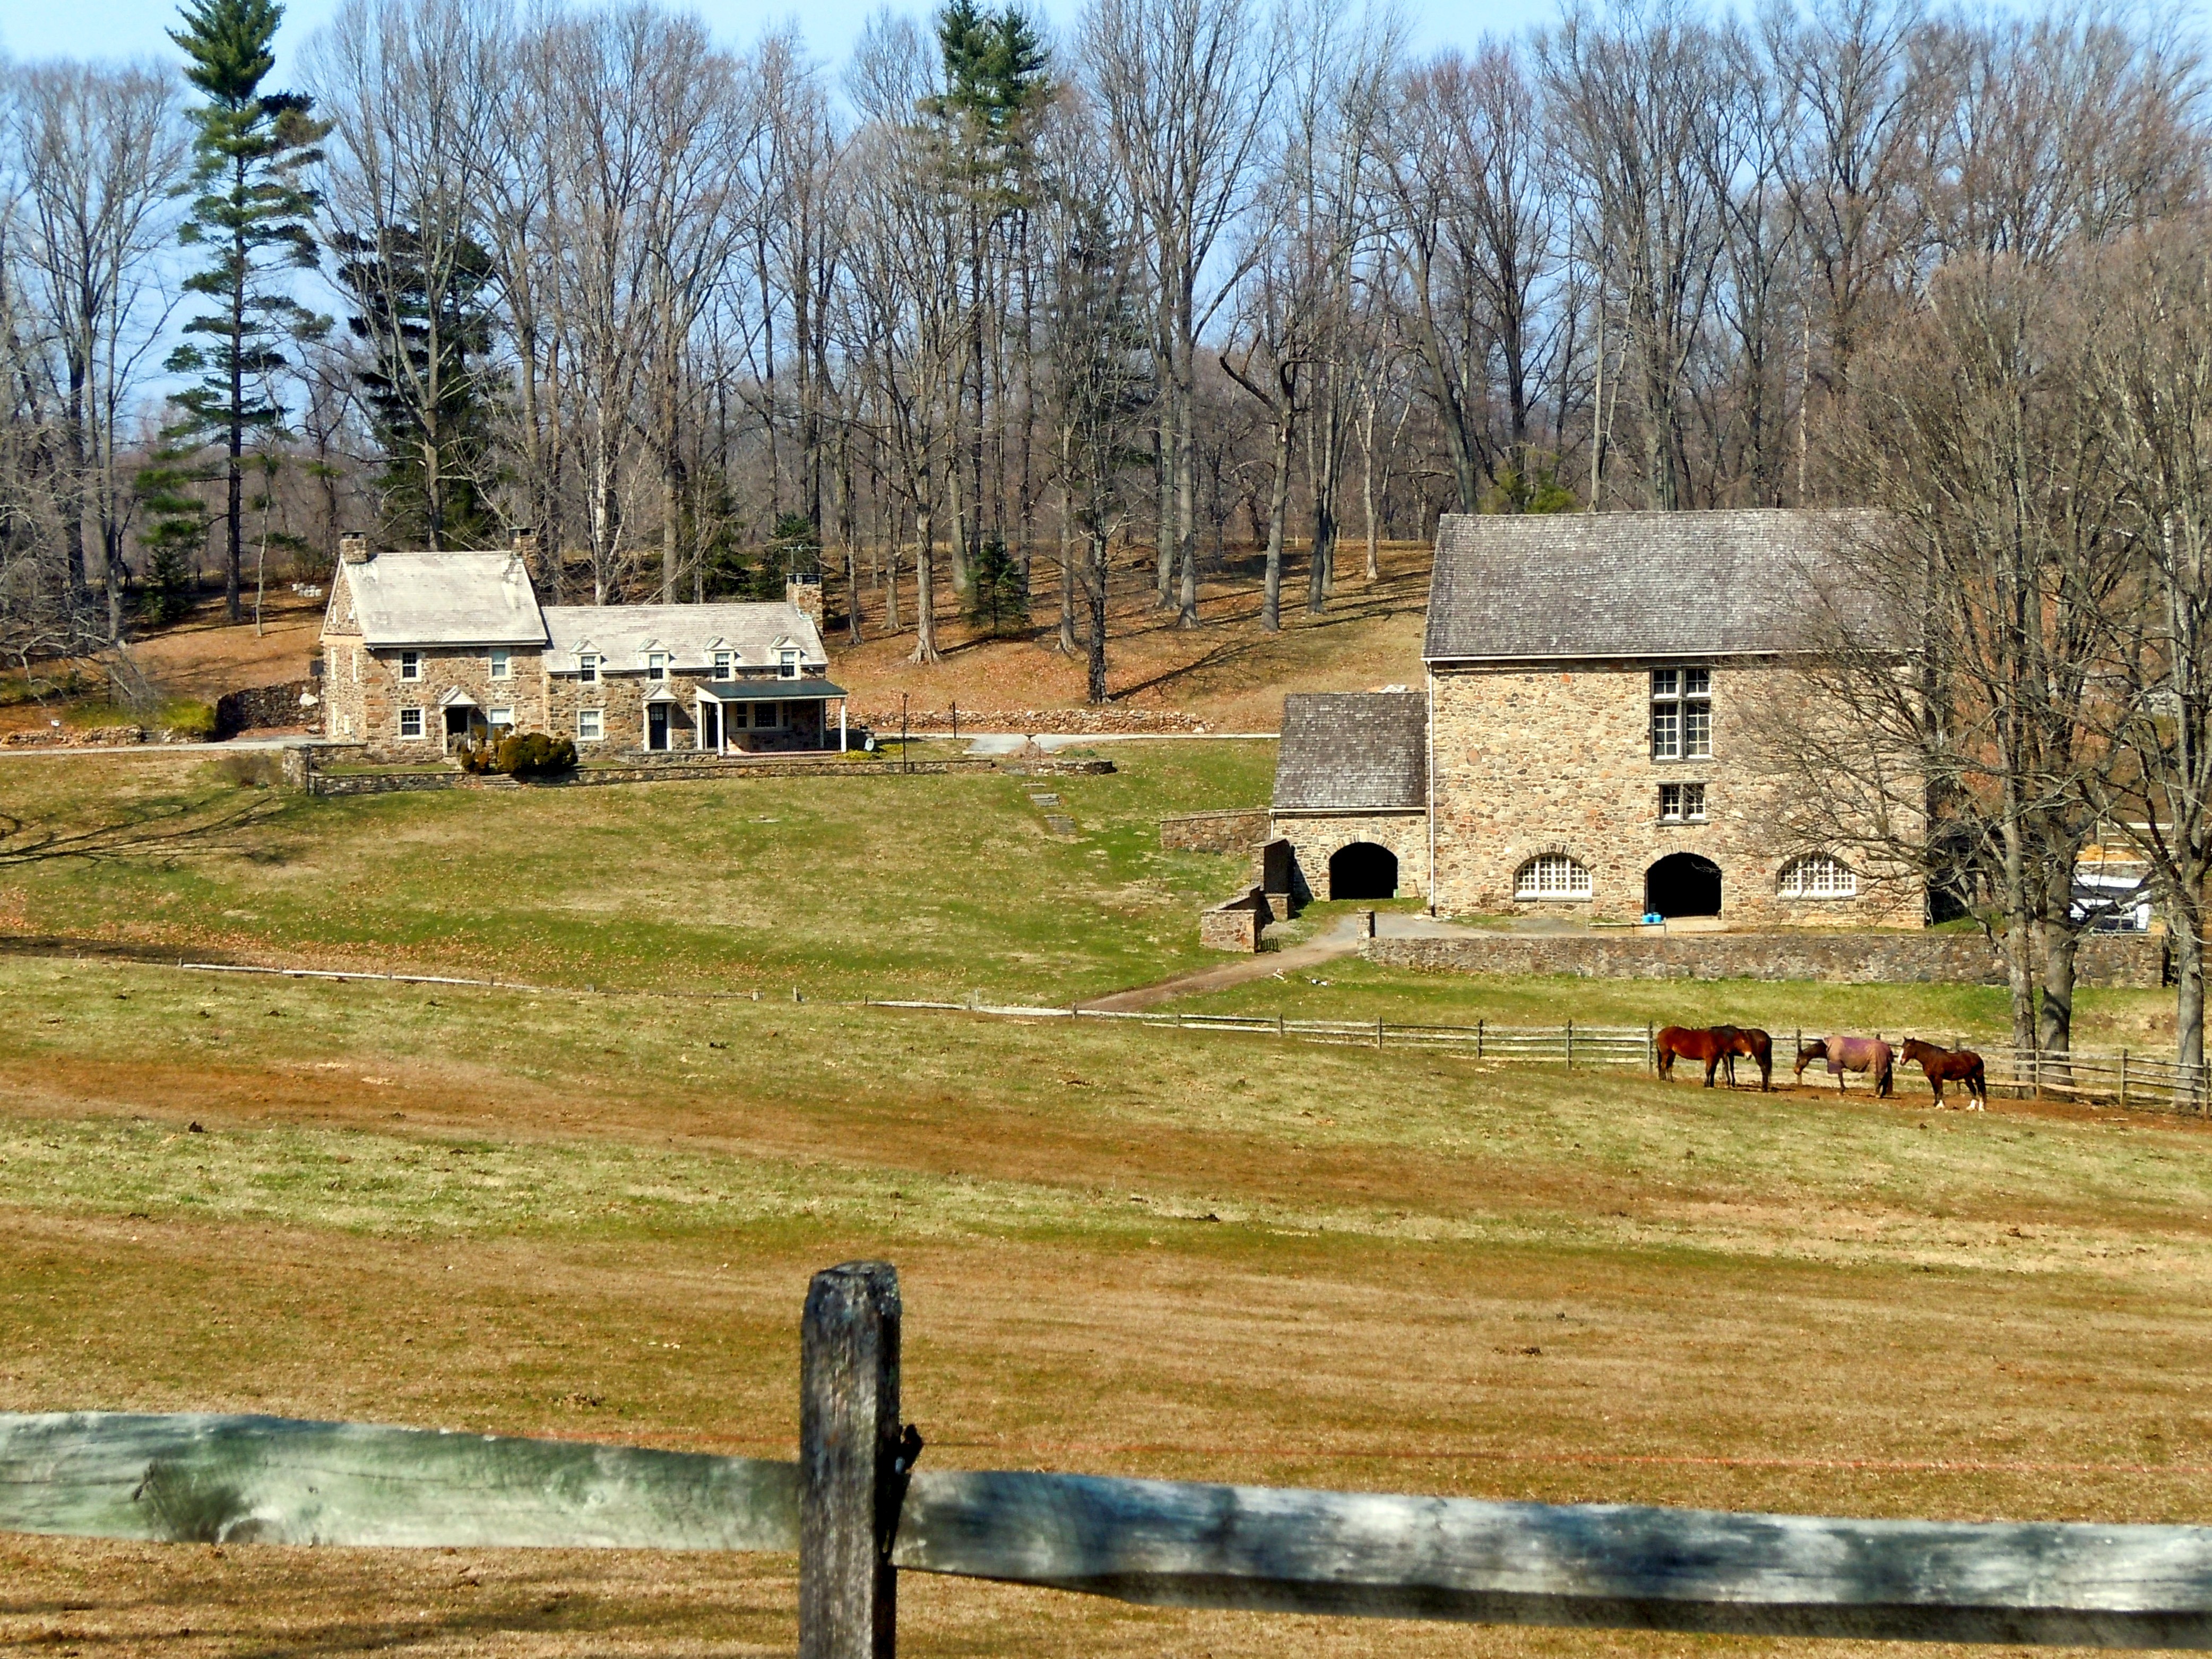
859,1512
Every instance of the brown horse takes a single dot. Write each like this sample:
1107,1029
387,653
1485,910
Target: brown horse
1869,1054
1717,1046
1944,1066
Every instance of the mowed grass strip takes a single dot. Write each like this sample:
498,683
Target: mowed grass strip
935,886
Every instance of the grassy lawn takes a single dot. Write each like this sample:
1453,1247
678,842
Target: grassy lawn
592,1213
932,886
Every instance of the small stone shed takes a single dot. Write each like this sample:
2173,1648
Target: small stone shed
1352,793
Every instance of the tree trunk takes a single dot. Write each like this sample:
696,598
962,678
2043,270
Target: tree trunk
1279,502
2187,932
925,591
1095,681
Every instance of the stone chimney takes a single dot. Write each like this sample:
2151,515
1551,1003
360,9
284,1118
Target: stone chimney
528,546
353,549
805,592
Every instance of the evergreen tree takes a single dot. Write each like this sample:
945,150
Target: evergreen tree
250,212
423,386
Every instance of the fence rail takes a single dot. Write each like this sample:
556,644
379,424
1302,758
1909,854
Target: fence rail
858,1511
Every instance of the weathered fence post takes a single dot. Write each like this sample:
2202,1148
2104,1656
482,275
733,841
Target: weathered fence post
2123,1079
1571,1045
1479,1024
1378,1030
852,1466
1651,1045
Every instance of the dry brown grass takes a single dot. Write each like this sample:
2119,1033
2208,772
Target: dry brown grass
1205,1257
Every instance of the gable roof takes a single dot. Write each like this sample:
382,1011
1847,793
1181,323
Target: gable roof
1595,584
444,598
1353,752
622,634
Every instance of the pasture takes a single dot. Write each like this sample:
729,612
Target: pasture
592,1213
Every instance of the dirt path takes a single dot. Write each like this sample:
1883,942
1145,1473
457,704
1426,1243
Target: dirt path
1341,941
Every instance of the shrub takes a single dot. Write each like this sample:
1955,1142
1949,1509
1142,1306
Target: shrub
519,755
189,718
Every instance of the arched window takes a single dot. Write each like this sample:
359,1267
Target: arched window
1552,875
1819,877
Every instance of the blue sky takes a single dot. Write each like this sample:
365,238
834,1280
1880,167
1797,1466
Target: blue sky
134,28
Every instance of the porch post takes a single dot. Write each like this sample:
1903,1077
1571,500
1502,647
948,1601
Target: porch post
841,725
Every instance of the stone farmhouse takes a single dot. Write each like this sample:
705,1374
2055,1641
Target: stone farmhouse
1587,738
423,650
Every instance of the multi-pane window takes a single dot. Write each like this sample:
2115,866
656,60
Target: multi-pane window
1552,875
502,720
724,661
591,725
411,665
1681,713
1820,877
1682,803
766,716
587,669
789,663
410,722
656,665
502,666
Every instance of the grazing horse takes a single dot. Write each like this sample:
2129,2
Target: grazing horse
1944,1066
1716,1045
1844,1054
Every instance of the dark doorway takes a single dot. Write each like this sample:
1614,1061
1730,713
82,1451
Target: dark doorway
1683,884
458,722
1363,871
710,726
656,725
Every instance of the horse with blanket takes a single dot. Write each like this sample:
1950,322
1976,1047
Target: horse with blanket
1717,1046
1843,1053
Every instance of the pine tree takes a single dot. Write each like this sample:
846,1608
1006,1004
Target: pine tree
250,212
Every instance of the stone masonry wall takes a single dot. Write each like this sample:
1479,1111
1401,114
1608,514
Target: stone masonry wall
1531,760
1315,837
1214,832
620,698
2104,960
363,694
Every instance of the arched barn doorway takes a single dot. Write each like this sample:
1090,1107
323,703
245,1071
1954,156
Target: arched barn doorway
1363,871
1683,884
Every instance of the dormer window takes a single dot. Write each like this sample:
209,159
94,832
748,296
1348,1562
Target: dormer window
656,665
725,663
587,667
502,666
1681,713
411,665
787,662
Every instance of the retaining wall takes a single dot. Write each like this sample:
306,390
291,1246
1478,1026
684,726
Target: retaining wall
884,720
1238,831
387,783
2104,960
261,706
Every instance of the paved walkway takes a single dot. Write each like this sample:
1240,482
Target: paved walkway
1340,940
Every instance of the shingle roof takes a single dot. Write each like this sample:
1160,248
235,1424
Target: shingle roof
1585,585
691,633
444,598
1353,752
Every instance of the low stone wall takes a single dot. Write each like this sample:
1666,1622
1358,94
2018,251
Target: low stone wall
1237,831
387,783
1056,768
2104,960
883,720
1235,924
261,706
64,736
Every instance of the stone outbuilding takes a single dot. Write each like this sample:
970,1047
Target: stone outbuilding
1593,750
422,651
1351,794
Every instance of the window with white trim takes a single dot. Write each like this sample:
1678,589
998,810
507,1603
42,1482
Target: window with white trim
410,722
591,725
502,666
1681,713
656,665
1682,803
587,668
725,662
1553,876
765,716
411,665
502,719
1819,877
787,663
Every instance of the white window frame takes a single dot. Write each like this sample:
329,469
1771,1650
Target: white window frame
420,726
787,663
411,665
1553,876
502,664
1822,876
726,663
497,718
656,667
1682,803
591,725
765,717
1681,713
587,668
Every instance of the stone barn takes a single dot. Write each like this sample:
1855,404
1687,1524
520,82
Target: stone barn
1351,784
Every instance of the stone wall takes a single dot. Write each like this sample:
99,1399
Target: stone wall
259,707
681,770
1235,924
884,720
1315,837
1236,831
2107,960
1529,762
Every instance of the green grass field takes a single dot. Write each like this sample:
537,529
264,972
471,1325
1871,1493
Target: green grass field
593,1213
